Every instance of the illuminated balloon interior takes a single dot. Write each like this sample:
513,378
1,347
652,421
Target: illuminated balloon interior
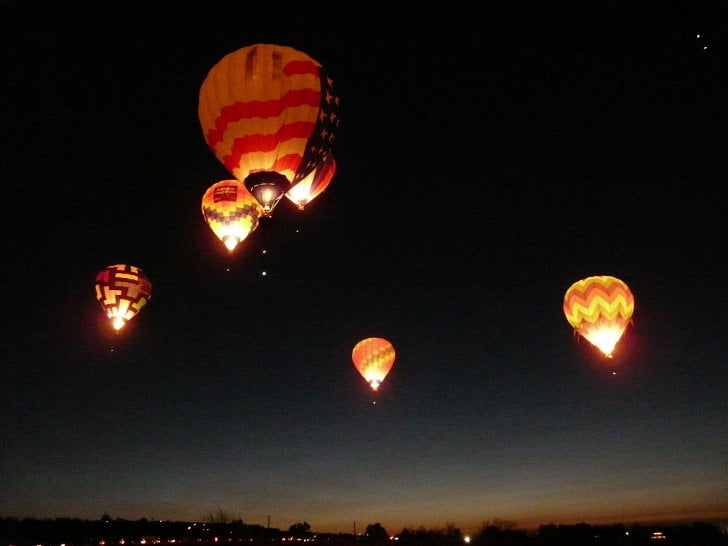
267,195
231,212
267,188
300,194
603,336
599,308
230,241
373,357
317,181
122,290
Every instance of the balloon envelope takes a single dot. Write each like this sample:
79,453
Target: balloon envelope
122,290
269,113
599,308
231,212
316,182
373,357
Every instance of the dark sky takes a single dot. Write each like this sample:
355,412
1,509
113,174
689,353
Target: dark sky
487,158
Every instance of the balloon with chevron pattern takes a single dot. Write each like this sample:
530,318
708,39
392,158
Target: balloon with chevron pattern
373,357
599,308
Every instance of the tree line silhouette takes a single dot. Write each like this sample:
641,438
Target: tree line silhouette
220,528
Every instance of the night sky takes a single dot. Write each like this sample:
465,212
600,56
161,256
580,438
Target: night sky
487,158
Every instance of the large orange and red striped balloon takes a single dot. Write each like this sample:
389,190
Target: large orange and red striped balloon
599,308
269,113
122,290
373,357
231,211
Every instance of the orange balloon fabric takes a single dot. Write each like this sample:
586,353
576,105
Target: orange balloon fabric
373,357
269,113
122,290
599,308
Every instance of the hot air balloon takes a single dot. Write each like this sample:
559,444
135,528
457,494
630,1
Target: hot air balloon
269,113
231,211
599,308
122,290
316,182
373,357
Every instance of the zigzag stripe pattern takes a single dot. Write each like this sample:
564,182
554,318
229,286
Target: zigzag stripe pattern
598,299
599,308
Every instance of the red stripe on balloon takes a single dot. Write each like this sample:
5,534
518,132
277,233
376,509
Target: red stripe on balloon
265,143
260,109
294,68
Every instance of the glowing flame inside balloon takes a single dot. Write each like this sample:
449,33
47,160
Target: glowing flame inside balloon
267,195
599,308
299,195
231,212
230,242
122,290
311,186
373,357
267,188
604,337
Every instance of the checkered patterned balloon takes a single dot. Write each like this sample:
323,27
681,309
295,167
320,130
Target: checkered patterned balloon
231,212
122,290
